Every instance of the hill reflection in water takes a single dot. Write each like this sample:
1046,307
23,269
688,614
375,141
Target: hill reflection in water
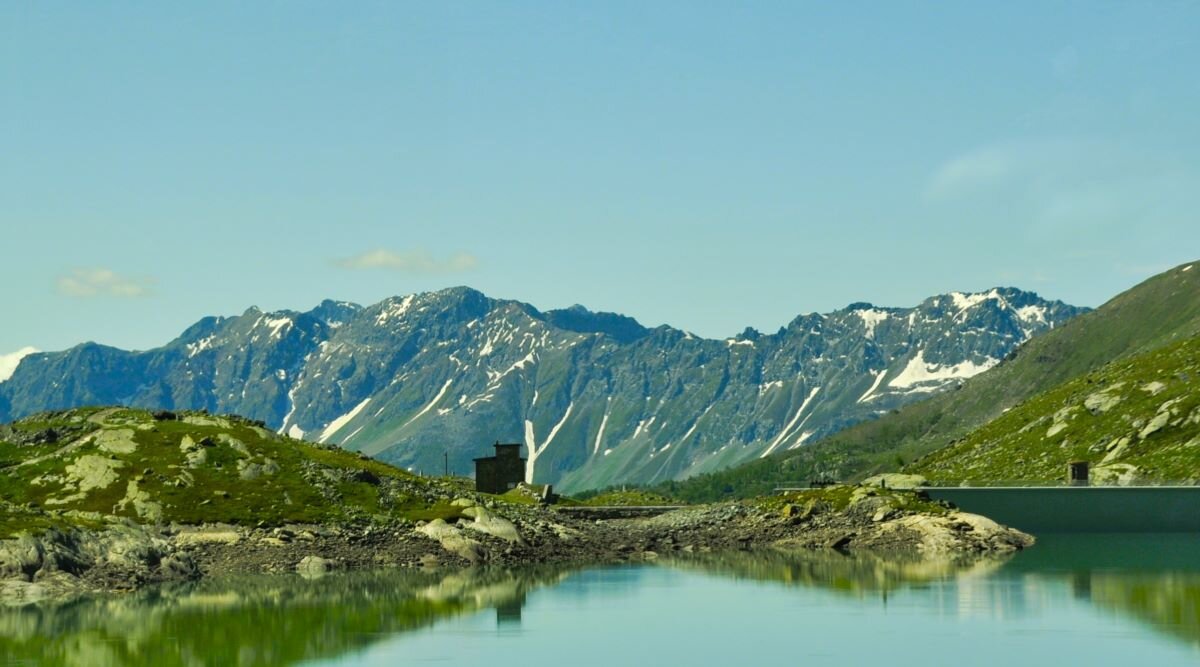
1121,583
262,620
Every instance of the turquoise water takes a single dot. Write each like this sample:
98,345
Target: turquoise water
1087,600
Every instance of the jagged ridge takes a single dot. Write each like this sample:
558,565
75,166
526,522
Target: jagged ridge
596,397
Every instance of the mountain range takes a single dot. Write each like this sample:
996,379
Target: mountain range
596,398
987,431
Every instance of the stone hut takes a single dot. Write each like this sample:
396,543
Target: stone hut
502,472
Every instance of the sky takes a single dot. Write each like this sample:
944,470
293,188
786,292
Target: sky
711,166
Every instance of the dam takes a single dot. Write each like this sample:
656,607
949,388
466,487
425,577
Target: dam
1081,509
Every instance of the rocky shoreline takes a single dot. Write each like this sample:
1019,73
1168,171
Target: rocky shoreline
123,556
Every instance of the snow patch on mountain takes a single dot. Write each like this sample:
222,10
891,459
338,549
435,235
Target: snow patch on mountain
278,325
536,450
802,439
600,433
1032,314
920,372
200,345
875,385
968,301
432,403
768,386
788,429
337,424
394,309
871,317
291,397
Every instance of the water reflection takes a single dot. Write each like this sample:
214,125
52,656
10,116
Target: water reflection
264,620
861,574
1154,579
1088,583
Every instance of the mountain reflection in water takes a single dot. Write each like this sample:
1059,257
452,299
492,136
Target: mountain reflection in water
1150,581
1154,579
262,620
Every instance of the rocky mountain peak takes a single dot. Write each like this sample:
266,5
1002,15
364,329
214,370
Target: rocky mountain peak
595,397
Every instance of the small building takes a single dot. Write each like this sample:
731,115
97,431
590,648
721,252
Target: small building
502,472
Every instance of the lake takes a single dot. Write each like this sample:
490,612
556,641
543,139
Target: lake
1081,599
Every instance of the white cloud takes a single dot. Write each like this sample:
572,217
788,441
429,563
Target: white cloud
9,362
413,261
973,171
1067,186
1021,168
102,282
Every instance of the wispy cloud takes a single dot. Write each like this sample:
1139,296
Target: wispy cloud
412,261
101,282
974,171
9,362
1067,186
1019,168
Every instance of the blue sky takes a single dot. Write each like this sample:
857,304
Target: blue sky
708,165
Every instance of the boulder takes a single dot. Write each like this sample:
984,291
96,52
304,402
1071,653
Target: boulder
116,441
234,444
193,451
315,566
452,540
145,508
93,472
1102,401
486,522
1116,449
959,532
1120,474
1153,388
1155,425
20,558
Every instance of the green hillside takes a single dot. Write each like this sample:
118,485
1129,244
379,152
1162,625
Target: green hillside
1134,420
1157,312
82,465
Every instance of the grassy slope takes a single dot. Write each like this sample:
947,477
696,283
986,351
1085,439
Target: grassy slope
1143,411
302,482
1161,310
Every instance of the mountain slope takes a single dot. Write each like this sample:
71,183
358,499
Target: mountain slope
595,397
193,468
1157,312
1134,420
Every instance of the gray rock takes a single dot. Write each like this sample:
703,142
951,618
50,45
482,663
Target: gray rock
1103,401
116,441
94,472
315,566
1160,420
20,558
